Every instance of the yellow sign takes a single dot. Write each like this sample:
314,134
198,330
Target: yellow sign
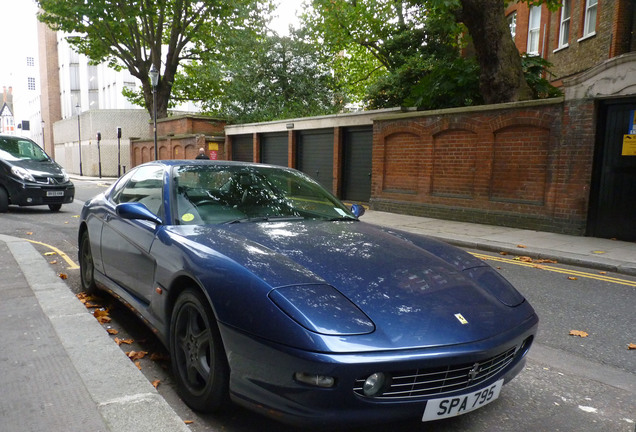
213,146
629,145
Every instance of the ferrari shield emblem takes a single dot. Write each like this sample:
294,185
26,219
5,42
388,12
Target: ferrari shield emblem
461,319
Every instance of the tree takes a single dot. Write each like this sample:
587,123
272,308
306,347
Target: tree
383,49
263,77
136,34
409,51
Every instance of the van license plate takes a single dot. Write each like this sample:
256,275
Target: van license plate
55,193
453,406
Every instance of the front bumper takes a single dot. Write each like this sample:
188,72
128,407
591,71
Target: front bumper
31,194
262,377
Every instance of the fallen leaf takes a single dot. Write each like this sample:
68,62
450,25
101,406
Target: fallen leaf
598,252
631,346
63,276
538,266
578,333
66,223
121,341
546,261
503,253
602,272
523,259
156,383
101,316
49,253
76,216
53,262
572,278
188,421
138,365
29,233
136,355
112,331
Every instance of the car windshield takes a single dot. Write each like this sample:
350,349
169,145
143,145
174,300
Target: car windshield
14,148
208,194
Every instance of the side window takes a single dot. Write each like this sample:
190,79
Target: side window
564,30
590,17
534,23
144,185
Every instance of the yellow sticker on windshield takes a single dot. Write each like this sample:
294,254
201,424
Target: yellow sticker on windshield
188,217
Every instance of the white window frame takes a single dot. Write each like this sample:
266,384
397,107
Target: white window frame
589,28
564,29
534,19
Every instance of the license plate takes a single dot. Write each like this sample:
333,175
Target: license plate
54,193
453,406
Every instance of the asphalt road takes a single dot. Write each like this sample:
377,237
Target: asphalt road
570,383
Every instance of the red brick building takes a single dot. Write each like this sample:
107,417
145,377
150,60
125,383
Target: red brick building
576,37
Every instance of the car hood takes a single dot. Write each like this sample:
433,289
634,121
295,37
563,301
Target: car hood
417,292
39,168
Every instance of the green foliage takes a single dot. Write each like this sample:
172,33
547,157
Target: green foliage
263,78
534,69
449,84
136,34
384,49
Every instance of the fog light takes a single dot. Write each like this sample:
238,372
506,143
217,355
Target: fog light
375,384
29,200
315,380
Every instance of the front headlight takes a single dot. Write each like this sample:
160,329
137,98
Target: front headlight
322,309
66,177
22,173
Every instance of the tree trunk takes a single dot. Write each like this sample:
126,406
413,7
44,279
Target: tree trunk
501,79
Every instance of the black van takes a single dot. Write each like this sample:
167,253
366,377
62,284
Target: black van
28,176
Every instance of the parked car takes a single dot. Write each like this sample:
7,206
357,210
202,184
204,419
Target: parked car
271,293
29,177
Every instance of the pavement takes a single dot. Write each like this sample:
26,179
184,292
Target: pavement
61,372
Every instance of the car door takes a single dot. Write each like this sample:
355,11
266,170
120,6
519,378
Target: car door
125,244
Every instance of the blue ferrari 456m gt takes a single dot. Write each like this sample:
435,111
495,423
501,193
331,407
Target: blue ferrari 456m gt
269,292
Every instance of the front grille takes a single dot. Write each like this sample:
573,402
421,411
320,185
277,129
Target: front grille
52,180
424,383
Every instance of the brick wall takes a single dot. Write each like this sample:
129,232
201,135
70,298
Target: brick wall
525,165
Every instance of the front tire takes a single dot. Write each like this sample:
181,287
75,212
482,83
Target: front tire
197,355
87,267
55,207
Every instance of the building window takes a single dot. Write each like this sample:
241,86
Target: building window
534,23
30,61
564,33
31,83
590,18
512,23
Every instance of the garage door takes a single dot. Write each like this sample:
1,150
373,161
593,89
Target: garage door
356,175
243,148
274,149
315,156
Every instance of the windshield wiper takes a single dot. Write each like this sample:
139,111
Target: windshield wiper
266,219
343,219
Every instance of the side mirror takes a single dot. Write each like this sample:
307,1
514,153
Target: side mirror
357,210
135,210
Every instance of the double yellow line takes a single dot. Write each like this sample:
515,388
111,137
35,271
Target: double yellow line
70,262
573,273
